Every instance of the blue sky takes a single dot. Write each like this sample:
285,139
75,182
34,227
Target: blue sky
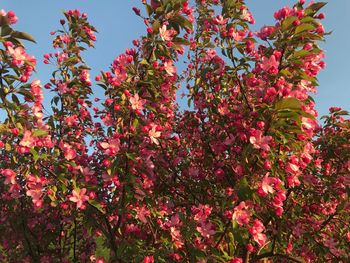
118,26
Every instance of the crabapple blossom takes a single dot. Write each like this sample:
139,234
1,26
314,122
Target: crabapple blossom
245,173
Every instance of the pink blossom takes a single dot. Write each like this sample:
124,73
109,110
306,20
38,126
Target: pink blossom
71,120
265,32
35,88
220,20
65,38
62,87
11,16
206,229
293,180
136,102
292,168
270,64
247,15
176,237
85,76
259,141
154,134
100,260
18,54
256,231
241,214
236,35
69,152
10,176
28,140
111,148
201,212
79,197
266,186
148,259
142,213
35,189
169,68
166,35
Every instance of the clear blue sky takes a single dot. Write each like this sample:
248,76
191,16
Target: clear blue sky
118,26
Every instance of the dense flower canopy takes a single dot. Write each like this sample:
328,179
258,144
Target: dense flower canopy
246,173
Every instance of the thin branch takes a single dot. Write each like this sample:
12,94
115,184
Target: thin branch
223,234
271,255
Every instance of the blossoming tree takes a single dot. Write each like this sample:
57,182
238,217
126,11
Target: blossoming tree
245,174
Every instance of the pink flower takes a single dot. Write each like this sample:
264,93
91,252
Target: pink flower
270,65
256,231
265,32
166,35
259,141
69,152
247,15
148,259
142,213
111,147
10,176
85,76
174,221
220,20
169,68
28,140
201,212
176,237
241,214
18,54
100,260
35,189
62,87
11,16
71,120
65,38
206,229
79,197
293,180
266,186
154,134
137,103
35,88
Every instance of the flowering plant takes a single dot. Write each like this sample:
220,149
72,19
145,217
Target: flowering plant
245,174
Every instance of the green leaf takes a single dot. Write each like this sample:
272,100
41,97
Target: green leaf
131,156
35,154
39,133
6,30
22,35
288,22
181,41
156,26
182,22
286,73
149,9
244,191
101,248
26,93
317,6
135,123
300,54
304,27
97,205
15,99
8,147
3,21
288,103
